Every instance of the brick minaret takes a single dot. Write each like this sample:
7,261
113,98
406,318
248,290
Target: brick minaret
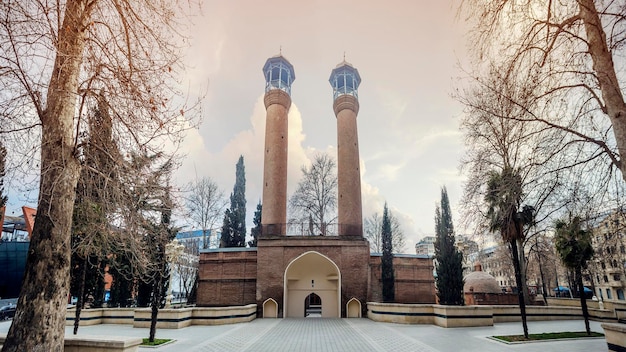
279,75
345,80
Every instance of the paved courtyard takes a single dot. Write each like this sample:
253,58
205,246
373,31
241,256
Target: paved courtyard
359,335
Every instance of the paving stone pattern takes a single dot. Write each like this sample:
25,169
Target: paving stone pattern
332,335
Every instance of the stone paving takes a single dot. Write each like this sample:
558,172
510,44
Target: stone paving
358,335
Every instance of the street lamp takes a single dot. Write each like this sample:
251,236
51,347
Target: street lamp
173,251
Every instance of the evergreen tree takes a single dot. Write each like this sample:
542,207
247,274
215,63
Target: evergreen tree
234,228
575,249
449,266
256,230
387,259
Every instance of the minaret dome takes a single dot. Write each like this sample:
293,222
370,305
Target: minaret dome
345,79
279,74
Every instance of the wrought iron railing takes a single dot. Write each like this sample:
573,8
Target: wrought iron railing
311,230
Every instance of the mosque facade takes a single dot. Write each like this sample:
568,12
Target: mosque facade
331,273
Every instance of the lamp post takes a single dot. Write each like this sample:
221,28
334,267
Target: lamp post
173,250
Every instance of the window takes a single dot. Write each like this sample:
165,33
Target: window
284,76
606,278
349,82
275,73
608,293
620,294
617,277
622,249
340,82
603,265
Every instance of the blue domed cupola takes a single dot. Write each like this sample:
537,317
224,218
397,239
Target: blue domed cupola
345,79
279,74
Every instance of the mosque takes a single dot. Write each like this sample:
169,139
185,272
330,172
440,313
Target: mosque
289,275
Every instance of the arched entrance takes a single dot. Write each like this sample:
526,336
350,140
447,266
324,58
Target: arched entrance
309,276
312,306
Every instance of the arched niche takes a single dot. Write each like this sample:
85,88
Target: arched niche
353,308
270,308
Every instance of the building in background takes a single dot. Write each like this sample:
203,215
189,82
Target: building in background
14,243
607,268
426,246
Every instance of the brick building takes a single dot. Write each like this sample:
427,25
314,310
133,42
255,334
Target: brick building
289,275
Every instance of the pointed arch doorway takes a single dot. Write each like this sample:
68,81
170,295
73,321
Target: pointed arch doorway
312,277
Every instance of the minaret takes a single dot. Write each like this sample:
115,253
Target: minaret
345,80
279,75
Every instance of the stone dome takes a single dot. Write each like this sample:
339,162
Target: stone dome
479,281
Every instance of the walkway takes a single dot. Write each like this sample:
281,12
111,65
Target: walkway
359,335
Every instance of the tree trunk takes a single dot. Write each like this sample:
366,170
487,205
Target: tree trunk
583,300
543,279
157,288
81,296
604,68
522,266
156,300
39,323
518,280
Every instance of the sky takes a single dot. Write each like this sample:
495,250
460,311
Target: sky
407,54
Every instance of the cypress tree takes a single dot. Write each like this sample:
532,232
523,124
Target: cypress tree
256,230
234,235
387,259
449,266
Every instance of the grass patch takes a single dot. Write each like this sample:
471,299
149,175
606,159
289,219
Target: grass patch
548,336
156,342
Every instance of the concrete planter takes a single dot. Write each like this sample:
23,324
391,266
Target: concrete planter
463,316
87,316
118,316
166,319
400,313
615,336
620,311
97,343
224,315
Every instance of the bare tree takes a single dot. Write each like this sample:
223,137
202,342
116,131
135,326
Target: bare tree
187,268
373,226
315,198
205,204
55,60
571,49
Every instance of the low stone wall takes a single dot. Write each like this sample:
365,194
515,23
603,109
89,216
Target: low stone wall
615,336
87,316
463,316
224,315
481,315
401,313
167,318
575,302
620,312
97,343
446,316
117,316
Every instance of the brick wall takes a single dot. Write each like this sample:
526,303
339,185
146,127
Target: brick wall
414,281
227,277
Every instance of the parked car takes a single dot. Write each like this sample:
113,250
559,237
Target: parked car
7,312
